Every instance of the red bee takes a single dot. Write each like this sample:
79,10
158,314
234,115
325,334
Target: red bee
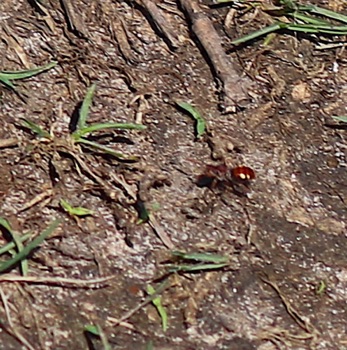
221,176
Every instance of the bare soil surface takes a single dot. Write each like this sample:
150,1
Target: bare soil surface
285,286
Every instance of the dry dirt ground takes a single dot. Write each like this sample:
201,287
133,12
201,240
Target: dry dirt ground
285,286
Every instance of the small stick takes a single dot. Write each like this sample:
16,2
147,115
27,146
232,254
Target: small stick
37,199
10,142
160,21
160,232
114,320
234,86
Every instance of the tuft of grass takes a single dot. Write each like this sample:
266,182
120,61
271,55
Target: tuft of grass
6,77
83,130
200,127
309,19
24,251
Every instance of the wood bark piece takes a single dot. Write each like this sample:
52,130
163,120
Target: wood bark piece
161,22
234,85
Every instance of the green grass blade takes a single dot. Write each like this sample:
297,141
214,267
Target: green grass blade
200,128
317,29
97,331
158,305
18,243
75,211
305,28
301,28
7,83
15,75
270,29
195,268
90,328
5,224
203,257
340,118
307,19
106,150
36,129
84,111
324,12
103,126
29,247
6,248
313,25
105,344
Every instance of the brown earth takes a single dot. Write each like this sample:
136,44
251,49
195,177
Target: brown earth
284,238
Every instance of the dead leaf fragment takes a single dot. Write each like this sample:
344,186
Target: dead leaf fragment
301,92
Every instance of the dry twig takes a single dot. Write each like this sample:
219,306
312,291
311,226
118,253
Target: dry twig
37,199
10,142
160,21
234,86
160,232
